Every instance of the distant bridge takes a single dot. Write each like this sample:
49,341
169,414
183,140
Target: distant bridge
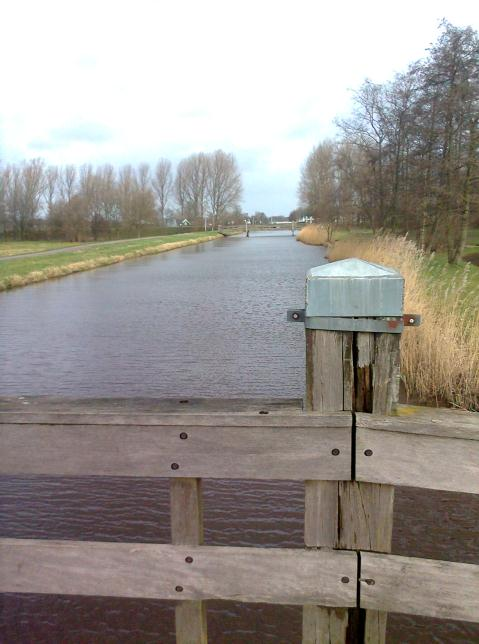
248,228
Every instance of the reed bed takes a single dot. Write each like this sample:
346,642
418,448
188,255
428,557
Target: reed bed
313,234
439,359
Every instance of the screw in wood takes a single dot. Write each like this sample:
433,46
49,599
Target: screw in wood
183,436
179,589
175,466
345,580
335,451
189,559
370,582
368,452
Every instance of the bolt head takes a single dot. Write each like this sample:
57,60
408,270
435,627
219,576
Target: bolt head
345,580
183,436
368,452
411,320
335,451
179,589
189,559
175,466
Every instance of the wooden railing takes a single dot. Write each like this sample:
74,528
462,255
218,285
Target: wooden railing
436,449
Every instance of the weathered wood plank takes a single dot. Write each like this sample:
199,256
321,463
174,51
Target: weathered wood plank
420,586
365,516
444,423
187,529
144,405
321,514
366,510
324,625
417,460
324,371
185,451
238,419
328,375
272,575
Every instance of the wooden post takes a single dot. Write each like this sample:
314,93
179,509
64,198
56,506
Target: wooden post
187,529
356,371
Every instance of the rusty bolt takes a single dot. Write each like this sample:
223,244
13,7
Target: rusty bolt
183,436
189,559
175,466
179,589
368,452
345,580
335,451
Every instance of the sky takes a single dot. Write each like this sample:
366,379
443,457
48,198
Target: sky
128,82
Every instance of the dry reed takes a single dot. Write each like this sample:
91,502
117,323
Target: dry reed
313,234
439,359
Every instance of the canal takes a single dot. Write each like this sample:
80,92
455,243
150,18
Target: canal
207,320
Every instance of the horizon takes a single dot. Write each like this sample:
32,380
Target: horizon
261,82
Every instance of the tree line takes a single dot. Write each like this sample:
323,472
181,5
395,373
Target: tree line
406,159
77,203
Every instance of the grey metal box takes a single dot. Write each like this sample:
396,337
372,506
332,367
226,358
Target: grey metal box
354,288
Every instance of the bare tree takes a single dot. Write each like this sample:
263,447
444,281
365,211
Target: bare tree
163,186
223,185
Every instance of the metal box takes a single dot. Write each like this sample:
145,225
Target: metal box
354,288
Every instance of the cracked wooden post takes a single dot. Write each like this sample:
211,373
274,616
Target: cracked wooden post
353,320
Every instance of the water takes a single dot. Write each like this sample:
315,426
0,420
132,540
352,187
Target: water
208,321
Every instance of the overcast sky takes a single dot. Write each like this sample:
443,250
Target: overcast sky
113,81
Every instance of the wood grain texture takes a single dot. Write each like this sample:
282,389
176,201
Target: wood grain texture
366,511
386,374
365,516
290,419
420,586
327,362
321,514
146,405
419,461
186,504
324,625
446,423
324,371
271,575
283,453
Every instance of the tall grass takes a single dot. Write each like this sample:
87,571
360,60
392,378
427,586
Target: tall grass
439,359
313,234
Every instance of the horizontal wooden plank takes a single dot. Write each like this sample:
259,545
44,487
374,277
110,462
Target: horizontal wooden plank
418,461
239,419
273,575
145,405
445,423
419,586
288,453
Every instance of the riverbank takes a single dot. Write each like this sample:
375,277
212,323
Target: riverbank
439,359
32,269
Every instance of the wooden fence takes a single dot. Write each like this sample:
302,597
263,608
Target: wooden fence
347,445
436,449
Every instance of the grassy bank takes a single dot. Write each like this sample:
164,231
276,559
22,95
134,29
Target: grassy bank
29,270
22,247
440,359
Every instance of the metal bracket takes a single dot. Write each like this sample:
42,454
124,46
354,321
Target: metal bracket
374,325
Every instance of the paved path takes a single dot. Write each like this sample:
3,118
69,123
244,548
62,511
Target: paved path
75,249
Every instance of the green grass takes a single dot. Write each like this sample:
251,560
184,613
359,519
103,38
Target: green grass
28,269
20,247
